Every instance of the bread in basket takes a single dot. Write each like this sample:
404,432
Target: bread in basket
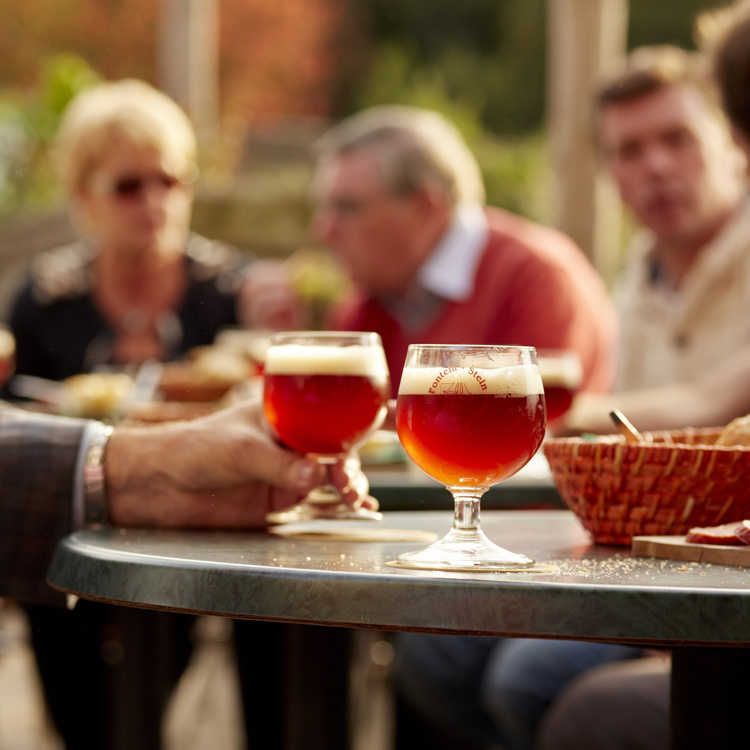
675,480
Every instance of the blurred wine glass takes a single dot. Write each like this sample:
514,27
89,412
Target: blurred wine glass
7,354
562,375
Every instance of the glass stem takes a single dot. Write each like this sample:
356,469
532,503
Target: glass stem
325,494
466,508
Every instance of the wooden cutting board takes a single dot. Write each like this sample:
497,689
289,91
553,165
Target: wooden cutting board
676,548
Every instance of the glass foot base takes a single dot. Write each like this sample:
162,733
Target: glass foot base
464,551
318,511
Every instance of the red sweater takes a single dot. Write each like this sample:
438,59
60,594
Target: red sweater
533,287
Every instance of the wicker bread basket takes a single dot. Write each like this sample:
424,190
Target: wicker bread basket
678,480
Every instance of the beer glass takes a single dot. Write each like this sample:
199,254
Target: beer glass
323,394
562,374
470,417
7,353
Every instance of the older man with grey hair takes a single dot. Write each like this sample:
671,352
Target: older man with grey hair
400,200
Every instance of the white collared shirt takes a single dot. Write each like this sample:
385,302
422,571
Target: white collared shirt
451,268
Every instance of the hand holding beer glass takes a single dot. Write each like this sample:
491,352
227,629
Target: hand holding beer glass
470,417
324,393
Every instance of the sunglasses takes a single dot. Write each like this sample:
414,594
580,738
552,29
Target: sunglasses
132,187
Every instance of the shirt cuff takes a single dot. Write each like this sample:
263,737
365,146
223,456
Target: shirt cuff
89,492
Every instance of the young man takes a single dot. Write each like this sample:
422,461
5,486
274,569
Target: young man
685,293
666,144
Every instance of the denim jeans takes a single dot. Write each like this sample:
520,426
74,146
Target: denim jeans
479,692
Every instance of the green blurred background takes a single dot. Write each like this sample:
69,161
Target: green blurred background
286,70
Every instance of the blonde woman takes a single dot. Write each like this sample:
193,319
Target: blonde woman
139,285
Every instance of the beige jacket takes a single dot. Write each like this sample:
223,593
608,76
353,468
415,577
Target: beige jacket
670,337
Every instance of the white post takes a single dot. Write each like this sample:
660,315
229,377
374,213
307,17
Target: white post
188,61
587,38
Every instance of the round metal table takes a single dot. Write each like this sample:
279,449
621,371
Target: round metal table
700,611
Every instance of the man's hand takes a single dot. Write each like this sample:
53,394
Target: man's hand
220,471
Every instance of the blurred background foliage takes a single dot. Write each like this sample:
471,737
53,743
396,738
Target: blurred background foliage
489,56
480,62
28,122
483,64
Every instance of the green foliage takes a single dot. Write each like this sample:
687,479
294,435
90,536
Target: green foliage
513,166
666,23
492,53
516,173
486,54
396,78
28,122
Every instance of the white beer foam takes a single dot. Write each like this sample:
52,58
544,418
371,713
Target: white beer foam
297,359
564,371
518,380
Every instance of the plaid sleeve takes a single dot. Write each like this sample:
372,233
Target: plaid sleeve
38,456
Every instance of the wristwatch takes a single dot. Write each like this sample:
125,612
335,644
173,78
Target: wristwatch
94,488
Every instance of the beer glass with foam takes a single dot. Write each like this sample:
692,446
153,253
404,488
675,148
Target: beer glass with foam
324,393
562,374
470,417
7,353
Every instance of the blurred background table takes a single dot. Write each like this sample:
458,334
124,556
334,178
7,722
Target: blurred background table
597,593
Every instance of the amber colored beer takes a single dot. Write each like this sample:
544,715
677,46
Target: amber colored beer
7,354
561,374
559,399
324,401
464,435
